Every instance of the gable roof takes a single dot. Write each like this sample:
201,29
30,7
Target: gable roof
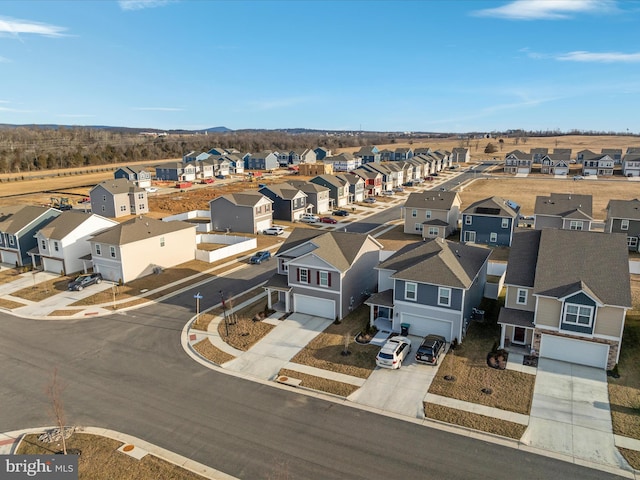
16,217
117,186
247,198
432,200
285,191
65,223
350,178
562,204
519,154
139,228
523,258
629,209
308,187
330,179
438,262
494,206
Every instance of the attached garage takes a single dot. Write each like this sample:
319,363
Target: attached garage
263,225
423,326
111,274
9,257
52,265
523,171
574,351
320,307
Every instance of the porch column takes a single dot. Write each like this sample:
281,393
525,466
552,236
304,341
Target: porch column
286,302
502,336
371,319
268,298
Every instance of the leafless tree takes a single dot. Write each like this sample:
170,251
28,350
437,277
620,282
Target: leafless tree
54,392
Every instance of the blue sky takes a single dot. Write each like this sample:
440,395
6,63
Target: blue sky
443,66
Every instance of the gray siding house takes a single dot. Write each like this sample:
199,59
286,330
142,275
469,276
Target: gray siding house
139,176
289,202
490,221
564,211
623,216
355,185
247,211
266,160
317,195
338,189
118,198
432,214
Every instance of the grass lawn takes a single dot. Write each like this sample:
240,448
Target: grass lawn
208,351
512,391
10,304
325,350
100,460
63,313
243,331
8,275
321,384
43,290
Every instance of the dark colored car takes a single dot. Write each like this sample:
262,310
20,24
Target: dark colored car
260,257
430,349
84,280
341,213
328,220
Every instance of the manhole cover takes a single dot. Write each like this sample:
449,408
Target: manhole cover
128,448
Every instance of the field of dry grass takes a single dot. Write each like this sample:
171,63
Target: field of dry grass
42,290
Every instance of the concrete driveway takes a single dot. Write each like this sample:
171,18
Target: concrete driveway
570,413
399,391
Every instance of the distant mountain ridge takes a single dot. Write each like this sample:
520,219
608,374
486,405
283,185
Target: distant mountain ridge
117,129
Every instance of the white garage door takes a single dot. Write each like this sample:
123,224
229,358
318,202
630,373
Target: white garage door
111,274
263,225
523,170
574,351
423,326
52,265
9,257
320,307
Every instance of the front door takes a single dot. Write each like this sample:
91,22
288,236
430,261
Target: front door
519,335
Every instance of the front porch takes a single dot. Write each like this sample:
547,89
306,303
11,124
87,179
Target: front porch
381,310
278,284
516,332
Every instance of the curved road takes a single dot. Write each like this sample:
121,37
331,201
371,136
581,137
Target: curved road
128,372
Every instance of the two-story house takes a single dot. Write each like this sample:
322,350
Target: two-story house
338,189
372,181
139,176
265,160
491,221
141,246
317,195
18,225
248,211
601,165
355,184
631,165
623,216
615,153
431,214
118,198
586,154
368,154
321,153
537,154
517,162
325,274
401,154
313,169
460,155
179,171
382,169
567,211
344,162
560,305
289,202
432,286
555,164
63,244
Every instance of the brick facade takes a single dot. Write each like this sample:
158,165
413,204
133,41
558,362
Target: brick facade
613,350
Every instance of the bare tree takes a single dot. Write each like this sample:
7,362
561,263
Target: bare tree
54,392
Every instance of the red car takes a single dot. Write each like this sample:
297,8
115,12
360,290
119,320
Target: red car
328,220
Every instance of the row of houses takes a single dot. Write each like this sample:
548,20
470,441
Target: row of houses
558,162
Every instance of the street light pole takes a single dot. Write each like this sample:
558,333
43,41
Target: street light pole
197,296
224,313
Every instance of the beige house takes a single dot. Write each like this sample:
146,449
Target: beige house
118,198
567,296
142,246
432,214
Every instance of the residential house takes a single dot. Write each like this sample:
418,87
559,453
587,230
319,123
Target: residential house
384,170
407,171
317,195
344,162
372,181
623,216
517,162
236,164
631,165
204,168
431,286
305,155
321,153
355,184
222,151
338,189
18,225
567,293
427,162
266,160
583,155
418,169
63,244
431,214
118,198
221,166
289,202
422,151
396,174
141,246
615,153
538,153
178,171
562,151
445,157
566,211
283,158
248,211
555,164
313,169
387,155
325,274
139,176
195,157
601,165
401,154
491,221
368,154
460,155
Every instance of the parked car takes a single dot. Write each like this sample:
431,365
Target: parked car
387,192
309,218
151,189
430,349
578,177
260,257
398,189
341,213
393,352
369,200
84,280
207,180
328,220
84,200
274,230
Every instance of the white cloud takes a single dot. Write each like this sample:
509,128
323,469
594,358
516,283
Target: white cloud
142,4
547,9
159,109
16,27
605,57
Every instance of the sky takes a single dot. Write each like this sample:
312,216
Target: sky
402,66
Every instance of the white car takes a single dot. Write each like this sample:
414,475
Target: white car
393,352
151,189
309,218
274,231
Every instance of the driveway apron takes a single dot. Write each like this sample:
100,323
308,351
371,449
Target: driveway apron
570,413
266,358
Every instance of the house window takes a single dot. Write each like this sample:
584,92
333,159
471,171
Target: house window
624,224
98,249
522,297
162,241
470,237
55,246
12,240
43,244
467,219
578,315
505,223
324,279
419,227
123,208
414,213
140,196
141,206
285,266
575,225
433,231
303,275
103,209
632,242
410,291
493,237
112,252
427,214
444,296
104,198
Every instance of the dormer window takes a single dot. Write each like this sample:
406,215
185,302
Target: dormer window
581,315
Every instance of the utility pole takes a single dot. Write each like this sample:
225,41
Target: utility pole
197,296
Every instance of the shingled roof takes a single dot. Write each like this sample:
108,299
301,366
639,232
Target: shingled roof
15,218
247,198
563,204
64,224
139,228
494,206
284,190
627,209
119,185
432,200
